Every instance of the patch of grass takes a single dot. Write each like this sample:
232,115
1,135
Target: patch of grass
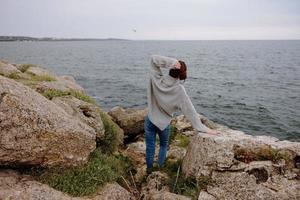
42,78
29,83
23,68
50,93
112,138
14,75
85,180
183,140
184,186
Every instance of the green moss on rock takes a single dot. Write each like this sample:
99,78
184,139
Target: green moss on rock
173,132
50,93
42,78
182,140
14,75
113,134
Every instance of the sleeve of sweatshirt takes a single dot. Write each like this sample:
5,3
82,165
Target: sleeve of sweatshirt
187,108
158,61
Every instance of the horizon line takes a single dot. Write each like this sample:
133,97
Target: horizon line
116,38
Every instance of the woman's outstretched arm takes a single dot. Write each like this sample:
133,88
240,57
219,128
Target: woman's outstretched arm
187,108
158,61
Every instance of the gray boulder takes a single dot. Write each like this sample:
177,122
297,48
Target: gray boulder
131,120
35,131
242,166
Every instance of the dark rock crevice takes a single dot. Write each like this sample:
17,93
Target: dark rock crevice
261,174
297,162
2,95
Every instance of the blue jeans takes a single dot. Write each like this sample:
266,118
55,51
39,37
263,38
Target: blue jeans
150,136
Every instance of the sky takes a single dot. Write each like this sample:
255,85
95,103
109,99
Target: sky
152,19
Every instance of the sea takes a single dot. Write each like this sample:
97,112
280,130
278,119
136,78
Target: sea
252,86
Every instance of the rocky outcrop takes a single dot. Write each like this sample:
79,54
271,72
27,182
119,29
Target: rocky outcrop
252,185
242,166
14,186
86,112
35,131
39,78
7,69
131,120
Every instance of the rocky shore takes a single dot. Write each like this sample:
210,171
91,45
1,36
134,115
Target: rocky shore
57,143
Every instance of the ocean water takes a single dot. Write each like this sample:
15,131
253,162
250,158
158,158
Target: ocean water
253,86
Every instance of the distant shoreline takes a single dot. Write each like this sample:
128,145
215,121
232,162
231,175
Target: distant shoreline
53,39
25,38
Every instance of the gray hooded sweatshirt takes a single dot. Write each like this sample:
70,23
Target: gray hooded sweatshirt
166,95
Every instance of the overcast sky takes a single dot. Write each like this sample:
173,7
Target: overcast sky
152,19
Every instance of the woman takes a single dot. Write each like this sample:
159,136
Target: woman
165,95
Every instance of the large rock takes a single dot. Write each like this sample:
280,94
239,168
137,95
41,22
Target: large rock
242,185
14,186
131,120
87,113
244,166
35,131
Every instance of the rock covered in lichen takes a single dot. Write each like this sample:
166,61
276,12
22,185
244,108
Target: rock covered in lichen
243,166
35,131
131,120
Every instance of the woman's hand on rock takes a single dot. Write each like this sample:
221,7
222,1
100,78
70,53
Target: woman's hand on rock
213,132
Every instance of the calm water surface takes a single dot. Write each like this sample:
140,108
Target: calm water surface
253,86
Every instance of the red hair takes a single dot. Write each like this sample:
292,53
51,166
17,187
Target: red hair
180,73
183,70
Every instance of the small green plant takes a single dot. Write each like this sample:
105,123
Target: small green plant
50,93
183,140
182,185
42,78
112,138
85,180
14,75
